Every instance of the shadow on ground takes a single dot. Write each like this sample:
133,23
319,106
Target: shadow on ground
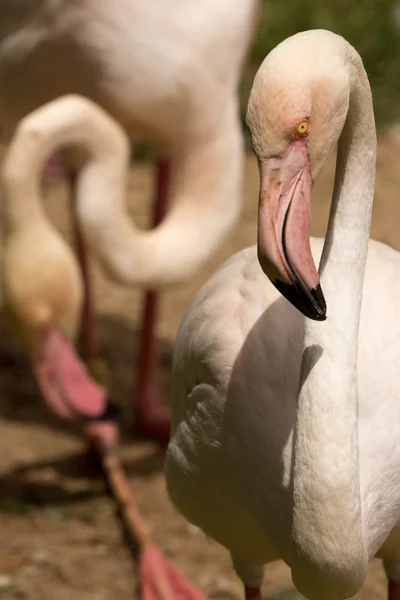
43,482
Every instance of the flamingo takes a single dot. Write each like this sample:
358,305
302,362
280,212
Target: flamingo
284,440
43,287
169,75
44,293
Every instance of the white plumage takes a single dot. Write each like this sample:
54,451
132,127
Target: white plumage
325,499
168,73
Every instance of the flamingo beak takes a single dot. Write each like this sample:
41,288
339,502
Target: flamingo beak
284,219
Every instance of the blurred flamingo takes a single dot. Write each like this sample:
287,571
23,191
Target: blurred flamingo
169,74
43,292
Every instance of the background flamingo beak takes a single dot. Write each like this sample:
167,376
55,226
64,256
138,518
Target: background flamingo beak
284,219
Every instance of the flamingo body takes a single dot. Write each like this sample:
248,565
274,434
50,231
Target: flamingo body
170,81
169,75
228,465
150,71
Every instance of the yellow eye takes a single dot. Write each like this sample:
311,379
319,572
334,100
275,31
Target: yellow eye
302,127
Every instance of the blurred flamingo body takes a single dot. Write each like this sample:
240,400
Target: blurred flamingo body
43,292
170,81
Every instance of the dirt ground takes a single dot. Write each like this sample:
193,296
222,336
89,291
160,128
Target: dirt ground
59,533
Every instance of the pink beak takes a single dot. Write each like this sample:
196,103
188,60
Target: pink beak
284,230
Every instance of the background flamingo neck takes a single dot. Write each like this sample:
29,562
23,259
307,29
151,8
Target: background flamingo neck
69,121
20,176
205,205
330,558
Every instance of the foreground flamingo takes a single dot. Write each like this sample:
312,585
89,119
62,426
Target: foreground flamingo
169,74
43,294
270,467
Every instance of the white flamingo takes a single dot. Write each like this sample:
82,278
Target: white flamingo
43,294
169,74
268,467
43,289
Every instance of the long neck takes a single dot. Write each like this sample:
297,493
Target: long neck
205,206
71,120
23,203
330,556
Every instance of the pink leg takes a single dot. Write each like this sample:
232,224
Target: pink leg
393,590
150,417
89,334
68,388
252,593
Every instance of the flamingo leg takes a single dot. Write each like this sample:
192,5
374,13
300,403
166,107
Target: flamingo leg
74,394
151,418
252,593
393,590
91,345
392,570
56,361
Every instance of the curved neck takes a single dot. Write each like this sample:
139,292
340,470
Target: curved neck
70,120
330,558
205,206
20,178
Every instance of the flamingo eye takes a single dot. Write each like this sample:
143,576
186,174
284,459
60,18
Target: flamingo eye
302,128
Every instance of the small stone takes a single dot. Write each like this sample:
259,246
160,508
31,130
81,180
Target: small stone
42,558
6,583
7,586
58,513
101,550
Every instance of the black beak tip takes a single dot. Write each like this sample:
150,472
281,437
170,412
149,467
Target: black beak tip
311,305
320,302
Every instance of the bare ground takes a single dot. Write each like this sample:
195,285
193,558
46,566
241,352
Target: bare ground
60,536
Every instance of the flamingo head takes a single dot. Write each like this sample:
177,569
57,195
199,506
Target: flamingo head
296,112
42,284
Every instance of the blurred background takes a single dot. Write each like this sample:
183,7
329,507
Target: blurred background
372,26
59,533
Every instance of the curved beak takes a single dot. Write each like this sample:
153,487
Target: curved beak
284,218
